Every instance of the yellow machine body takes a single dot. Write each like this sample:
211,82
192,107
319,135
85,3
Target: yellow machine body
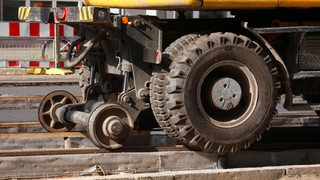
203,4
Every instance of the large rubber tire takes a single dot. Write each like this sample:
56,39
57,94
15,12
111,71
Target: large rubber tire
158,87
204,70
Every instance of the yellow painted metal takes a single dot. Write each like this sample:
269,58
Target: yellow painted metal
144,4
239,4
299,3
23,13
85,13
50,71
203,4
251,4
36,71
58,71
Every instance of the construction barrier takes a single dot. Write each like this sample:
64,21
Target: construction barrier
30,64
22,46
23,29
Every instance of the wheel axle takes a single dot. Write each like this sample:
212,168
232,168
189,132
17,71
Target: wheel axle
108,125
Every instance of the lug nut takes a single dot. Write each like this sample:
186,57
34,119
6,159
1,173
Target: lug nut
230,106
115,128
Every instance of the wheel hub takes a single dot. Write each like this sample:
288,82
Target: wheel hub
226,93
112,126
109,126
54,110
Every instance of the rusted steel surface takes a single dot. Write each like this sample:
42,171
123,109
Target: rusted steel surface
88,150
23,102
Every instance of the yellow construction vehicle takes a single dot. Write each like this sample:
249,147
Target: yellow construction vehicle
211,83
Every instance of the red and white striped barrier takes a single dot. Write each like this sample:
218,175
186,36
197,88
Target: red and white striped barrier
23,29
30,64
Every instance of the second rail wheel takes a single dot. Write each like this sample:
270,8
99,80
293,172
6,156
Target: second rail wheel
48,107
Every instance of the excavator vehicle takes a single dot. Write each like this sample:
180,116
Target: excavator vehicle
211,82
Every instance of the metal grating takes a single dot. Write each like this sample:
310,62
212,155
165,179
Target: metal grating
309,54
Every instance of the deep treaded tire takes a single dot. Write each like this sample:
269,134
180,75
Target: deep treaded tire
158,87
219,93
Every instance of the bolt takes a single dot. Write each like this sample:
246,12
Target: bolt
229,106
144,93
126,99
101,14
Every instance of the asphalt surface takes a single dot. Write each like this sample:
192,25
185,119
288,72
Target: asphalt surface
19,75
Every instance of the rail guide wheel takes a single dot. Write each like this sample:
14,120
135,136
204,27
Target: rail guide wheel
48,107
109,126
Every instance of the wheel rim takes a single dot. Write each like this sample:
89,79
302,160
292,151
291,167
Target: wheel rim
48,107
227,99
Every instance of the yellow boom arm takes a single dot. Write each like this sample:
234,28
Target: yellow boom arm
143,4
203,4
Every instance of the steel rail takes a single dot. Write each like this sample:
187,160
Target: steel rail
38,152
41,135
278,138
23,102
39,83
29,97
19,124
13,123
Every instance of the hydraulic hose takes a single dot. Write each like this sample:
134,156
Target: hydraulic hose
73,45
72,62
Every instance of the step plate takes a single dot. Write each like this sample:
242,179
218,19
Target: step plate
309,54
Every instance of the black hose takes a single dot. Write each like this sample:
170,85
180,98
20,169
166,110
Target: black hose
74,44
72,62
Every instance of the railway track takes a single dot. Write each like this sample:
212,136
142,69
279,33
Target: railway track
56,154
278,138
23,102
49,82
16,153
73,142
43,154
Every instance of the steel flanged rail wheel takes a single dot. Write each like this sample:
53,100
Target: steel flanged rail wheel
48,107
109,126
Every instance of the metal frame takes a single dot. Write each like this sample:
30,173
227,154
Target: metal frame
56,52
1,10
54,2
291,29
